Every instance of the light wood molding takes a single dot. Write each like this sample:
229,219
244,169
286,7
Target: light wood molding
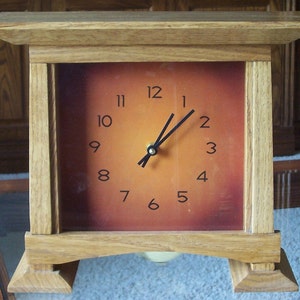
280,278
148,53
259,167
192,28
47,281
39,145
72,246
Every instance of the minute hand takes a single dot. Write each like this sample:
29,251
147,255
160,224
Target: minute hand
156,145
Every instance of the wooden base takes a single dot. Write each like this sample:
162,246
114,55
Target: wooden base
27,280
60,280
280,280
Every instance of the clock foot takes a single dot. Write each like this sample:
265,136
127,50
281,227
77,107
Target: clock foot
26,279
280,280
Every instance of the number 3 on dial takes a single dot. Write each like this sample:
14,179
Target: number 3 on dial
212,149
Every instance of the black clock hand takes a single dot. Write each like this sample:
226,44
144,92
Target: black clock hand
152,149
174,128
164,129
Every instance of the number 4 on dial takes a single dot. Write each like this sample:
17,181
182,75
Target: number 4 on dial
202,176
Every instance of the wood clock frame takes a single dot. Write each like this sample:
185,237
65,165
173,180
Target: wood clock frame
50,261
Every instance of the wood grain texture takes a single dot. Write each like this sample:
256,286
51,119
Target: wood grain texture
281,279
53,150
169,28
148,53
39,163
259,162
66,247
26,279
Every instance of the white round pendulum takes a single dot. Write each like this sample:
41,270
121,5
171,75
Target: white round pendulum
159,257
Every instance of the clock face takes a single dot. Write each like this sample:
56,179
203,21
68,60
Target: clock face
151,146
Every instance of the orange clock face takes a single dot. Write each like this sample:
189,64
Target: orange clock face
151,146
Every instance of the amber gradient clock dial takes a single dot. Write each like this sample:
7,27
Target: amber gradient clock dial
151,146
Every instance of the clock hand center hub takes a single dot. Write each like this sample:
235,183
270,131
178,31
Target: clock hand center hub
152,150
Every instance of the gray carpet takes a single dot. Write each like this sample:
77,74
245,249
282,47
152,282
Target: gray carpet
185,277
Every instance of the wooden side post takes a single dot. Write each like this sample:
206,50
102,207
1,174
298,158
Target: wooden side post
41,277
258,193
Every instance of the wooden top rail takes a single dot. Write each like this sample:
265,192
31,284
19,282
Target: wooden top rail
138,28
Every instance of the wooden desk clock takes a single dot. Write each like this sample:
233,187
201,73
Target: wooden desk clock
151,132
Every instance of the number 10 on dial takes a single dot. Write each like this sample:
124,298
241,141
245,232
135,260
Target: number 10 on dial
162,149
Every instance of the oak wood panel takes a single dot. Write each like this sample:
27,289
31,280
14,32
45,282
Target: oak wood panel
67,247
258,165
39,167
25,279
278,280
197,28
258,187
54,157
91,54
